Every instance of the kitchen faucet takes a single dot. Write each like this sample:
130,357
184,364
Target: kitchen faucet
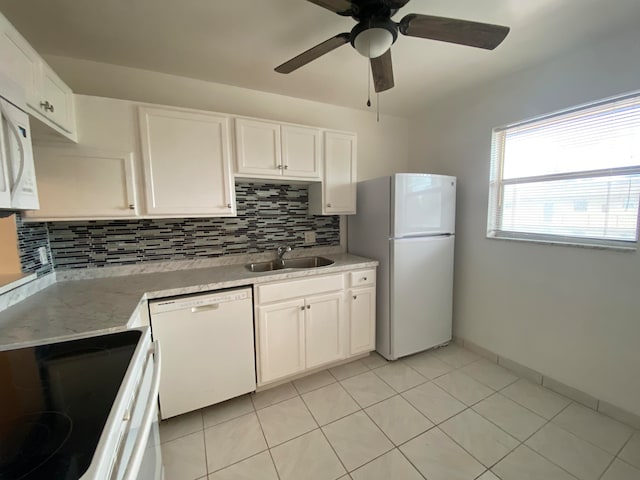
282,249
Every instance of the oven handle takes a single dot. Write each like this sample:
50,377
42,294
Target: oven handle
137,454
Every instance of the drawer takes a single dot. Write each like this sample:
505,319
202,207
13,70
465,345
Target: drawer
362,278
273,292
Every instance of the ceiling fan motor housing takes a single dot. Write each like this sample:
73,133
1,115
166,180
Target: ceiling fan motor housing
373,36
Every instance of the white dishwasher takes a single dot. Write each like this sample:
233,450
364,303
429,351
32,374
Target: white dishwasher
207,346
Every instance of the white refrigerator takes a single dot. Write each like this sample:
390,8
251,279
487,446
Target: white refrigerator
407,223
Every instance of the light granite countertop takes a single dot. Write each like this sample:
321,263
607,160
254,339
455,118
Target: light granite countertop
104,305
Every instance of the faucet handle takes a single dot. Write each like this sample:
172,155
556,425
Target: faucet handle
282,249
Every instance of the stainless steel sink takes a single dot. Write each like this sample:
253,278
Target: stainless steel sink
304,262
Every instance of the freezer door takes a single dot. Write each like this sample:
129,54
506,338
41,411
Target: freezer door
421,293
423,205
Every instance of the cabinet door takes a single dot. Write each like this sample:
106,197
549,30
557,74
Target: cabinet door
301,152
186,162
58,100
84,183
281,348
362,321
19,62
339,173
258,149
324,329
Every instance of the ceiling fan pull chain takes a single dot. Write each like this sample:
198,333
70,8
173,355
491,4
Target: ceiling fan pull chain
368,85
378,107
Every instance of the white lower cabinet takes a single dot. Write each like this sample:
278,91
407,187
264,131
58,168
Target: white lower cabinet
308,323
324,330
362,325
281,340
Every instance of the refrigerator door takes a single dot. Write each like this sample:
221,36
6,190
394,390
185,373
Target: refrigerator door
421,293
423,205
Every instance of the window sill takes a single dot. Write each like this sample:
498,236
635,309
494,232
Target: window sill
566,243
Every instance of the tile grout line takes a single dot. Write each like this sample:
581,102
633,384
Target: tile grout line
264,436
204,440
617,456
539,453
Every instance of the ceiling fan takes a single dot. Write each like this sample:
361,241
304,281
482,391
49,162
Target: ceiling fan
375,32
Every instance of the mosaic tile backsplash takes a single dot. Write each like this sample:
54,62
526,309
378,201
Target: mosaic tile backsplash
32,236
268,216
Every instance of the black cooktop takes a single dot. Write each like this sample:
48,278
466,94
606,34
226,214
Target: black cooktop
54,403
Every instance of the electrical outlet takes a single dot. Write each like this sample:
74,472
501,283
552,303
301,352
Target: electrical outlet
44,258
309,237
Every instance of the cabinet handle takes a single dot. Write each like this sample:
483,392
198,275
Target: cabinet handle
46,106
355,297
286,166
229,205
329,205
302,307
364,279
308,307
132,206
279,167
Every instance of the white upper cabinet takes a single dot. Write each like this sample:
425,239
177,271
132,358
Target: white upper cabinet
187,163
19,62
300,151
258,150
49,99
273,150
57,100
82,183
337,193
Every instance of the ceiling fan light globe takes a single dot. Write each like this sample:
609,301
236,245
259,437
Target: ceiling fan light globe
373,42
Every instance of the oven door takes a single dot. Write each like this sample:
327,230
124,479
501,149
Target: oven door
151,466
139,456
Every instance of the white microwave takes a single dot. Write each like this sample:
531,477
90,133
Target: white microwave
18,189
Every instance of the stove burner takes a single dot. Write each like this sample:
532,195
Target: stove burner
35,439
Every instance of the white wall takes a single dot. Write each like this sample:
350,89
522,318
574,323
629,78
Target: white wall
570,313
382,147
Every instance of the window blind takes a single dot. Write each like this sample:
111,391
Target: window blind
572,177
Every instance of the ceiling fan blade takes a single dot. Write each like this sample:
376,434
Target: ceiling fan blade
382,70
313,53
341,7
463,32
395,4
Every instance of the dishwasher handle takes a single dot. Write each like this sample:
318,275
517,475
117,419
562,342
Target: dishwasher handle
205,308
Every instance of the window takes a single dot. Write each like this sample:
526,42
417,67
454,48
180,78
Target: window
572,177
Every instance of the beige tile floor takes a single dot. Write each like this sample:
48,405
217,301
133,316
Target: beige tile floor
441,415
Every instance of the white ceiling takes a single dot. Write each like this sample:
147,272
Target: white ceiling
239,42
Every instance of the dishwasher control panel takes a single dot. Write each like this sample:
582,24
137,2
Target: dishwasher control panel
202,300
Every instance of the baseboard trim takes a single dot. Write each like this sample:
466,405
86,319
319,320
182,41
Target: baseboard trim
568,391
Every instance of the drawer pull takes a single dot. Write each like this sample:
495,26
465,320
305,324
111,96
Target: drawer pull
302,307
364,279
308,307
355,297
